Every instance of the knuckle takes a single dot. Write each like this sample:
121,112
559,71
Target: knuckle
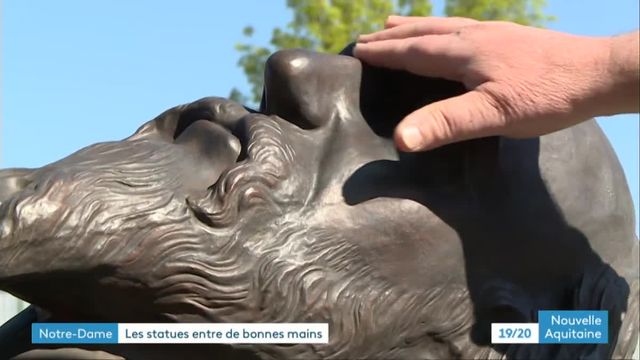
503,101
422,46
414,48
418,50
444,125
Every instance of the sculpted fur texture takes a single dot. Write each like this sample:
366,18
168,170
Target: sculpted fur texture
305,212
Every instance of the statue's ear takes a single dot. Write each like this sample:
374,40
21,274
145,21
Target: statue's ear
170,124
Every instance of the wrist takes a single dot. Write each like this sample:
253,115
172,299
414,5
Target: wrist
618,89
624,66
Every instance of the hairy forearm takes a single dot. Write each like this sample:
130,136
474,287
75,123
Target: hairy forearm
622,92
626,60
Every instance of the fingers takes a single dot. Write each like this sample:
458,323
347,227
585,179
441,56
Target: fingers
468,116
432,55
417,26
395,20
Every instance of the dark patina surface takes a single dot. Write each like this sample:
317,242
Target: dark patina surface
304,211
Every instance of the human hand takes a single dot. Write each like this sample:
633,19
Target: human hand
522,81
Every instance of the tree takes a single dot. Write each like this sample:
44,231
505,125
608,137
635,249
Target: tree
525,12
328,25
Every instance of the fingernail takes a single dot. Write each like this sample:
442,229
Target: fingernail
412,137
357,49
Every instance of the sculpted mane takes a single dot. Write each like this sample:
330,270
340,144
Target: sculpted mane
204,262
281,271
278,269
76,195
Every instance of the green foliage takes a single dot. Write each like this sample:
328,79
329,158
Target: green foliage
328,25
321,25
519,11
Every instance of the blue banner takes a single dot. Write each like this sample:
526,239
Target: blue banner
573,327
74,333
180,333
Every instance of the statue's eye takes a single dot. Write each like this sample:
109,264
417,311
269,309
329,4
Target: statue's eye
209,136
211,149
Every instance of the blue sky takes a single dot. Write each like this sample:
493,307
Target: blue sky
77,72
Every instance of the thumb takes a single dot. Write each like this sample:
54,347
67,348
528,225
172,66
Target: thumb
468,116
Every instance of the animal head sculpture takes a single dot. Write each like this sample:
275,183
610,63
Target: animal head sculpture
305,212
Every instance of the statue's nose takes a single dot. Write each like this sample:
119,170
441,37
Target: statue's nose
13,181
308,88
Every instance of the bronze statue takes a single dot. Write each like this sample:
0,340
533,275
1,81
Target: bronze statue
304,211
